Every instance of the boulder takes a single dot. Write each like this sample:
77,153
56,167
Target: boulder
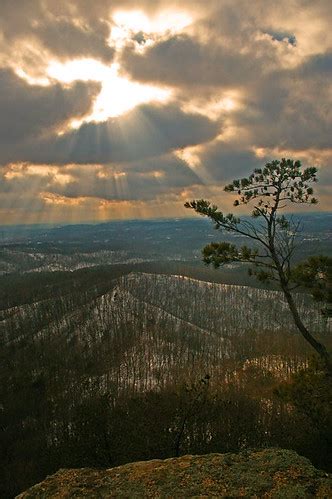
269,473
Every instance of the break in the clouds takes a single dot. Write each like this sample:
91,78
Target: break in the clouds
123,108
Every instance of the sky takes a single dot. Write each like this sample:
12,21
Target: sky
114,109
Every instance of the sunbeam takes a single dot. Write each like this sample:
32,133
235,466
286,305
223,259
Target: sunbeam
118,94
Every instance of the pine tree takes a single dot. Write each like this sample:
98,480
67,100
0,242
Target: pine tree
269,190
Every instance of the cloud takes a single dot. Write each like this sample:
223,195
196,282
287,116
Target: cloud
227,161
29,111
148,130
66,40
320,64
131,183
184,60
135,181
290,109
56,27
250,81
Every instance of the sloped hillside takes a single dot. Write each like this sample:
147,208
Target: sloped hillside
148,366
271,473
147,326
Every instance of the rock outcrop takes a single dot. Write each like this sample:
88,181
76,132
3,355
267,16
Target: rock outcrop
270,473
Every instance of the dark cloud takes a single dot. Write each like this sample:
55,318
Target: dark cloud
134,182
289,109
148,130
14,22
184,60
227,161
57,27
66,40
67,29
28,111
140,37
320,64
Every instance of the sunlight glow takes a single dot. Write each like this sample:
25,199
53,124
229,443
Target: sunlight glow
136,21
311,156
25,170
56,199
191,156
78,69
107,174
118,95
19,170
43,82
130,23
225,103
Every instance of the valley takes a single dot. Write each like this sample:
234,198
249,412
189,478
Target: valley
111,355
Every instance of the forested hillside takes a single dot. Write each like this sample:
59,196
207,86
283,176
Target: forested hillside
140,365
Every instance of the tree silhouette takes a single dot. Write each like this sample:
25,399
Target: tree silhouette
270,189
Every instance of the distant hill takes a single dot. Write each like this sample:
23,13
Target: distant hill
39,248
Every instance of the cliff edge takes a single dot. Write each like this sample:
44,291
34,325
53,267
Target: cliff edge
270,473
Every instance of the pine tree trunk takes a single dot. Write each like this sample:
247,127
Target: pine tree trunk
319,347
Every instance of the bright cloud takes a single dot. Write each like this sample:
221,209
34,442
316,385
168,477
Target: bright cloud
161,22
117,94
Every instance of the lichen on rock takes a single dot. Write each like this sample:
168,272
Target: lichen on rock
268,473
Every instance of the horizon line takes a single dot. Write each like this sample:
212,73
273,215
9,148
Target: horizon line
117,220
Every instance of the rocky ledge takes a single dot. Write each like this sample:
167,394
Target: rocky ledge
270,473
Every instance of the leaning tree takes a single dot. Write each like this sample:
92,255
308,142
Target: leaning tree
269,190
